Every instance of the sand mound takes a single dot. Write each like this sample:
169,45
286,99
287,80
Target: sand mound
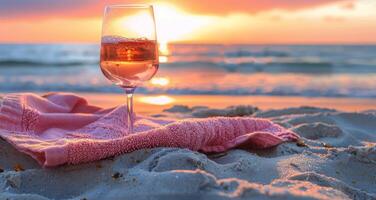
336,159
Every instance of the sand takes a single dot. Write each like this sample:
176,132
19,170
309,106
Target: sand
336,159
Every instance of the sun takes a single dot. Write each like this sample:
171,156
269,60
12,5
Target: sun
139,25
172,25
175,25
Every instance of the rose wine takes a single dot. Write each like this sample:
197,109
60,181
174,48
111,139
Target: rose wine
128,62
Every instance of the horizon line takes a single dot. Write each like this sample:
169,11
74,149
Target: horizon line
209,43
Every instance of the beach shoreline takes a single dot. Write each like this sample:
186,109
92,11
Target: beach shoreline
154,104
335,158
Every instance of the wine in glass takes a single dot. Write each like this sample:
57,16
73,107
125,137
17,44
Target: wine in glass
129,51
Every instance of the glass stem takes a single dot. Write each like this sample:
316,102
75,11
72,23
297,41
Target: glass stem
129,92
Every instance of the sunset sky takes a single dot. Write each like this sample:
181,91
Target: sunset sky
198,21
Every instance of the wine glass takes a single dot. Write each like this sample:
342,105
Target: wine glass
129,51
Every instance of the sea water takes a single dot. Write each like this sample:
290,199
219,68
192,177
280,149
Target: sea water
287,70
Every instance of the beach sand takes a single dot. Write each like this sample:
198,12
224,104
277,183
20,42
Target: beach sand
336,158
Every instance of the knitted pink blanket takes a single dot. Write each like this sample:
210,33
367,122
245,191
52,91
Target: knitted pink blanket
62,128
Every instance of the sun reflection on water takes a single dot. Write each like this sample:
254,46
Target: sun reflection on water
163,48
163,59
160,81
163,51
157,100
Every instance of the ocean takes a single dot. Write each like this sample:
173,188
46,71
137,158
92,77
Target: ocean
283,70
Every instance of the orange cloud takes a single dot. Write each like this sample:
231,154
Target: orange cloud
198,21
349,5
331,18
91,8
246,6
17,9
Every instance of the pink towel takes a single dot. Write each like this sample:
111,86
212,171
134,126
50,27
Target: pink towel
62,128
